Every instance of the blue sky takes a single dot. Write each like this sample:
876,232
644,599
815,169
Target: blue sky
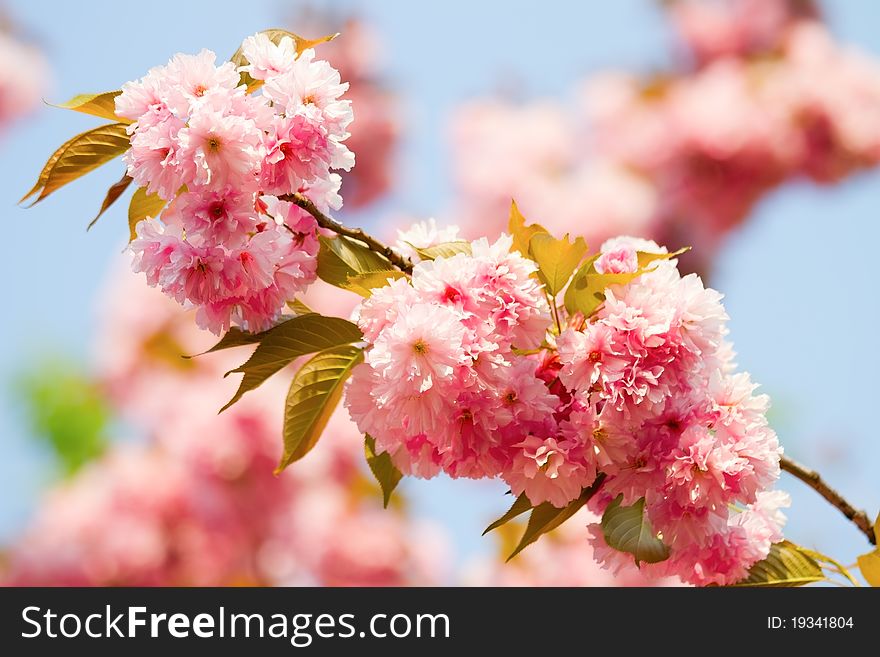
798,278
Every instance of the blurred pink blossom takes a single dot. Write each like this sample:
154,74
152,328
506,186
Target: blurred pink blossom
24,76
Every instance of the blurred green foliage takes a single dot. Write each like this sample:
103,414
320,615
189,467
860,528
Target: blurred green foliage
65,410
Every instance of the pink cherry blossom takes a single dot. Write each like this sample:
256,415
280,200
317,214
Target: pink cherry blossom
267,59
550,470
24,76
217,153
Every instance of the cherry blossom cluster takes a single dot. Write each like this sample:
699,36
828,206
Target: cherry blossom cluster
461,375
220,156
714,142
682,157
219,516
358,55
442,387
714,29
667,418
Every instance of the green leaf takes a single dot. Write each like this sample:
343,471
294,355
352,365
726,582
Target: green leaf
65,409
102,105
581,294
383,469
646,258
785,565
546,517
627,529
556,259
275,36
78,156
299,307
364,284
143,205
519,507
341,259
522,234
314,393
444,250
283,344
115,191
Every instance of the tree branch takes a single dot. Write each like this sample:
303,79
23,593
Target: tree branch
403,264
812,479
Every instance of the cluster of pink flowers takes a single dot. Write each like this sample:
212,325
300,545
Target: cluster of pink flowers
218,515
358,56
441,387
537,152
23,78
711,29
682,157
461,376
716,141
221,157
666,418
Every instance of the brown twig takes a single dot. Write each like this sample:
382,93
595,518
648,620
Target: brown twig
812,479
402,263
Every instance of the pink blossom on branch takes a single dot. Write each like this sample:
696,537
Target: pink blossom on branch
219,154
461,376
358,54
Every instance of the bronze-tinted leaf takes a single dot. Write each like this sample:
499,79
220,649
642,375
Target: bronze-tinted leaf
116,190
143,205
102,105
78,156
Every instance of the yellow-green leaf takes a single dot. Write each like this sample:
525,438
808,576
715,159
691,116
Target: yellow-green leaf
581,294
275,35
587,289
627,529
341,259
102,105
444,250
521,233
556,259
519,507
786,565
286,342
646,258
869,564
78,156
143,205
546,517
383,469
314,393
298,307
364,284
116,190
